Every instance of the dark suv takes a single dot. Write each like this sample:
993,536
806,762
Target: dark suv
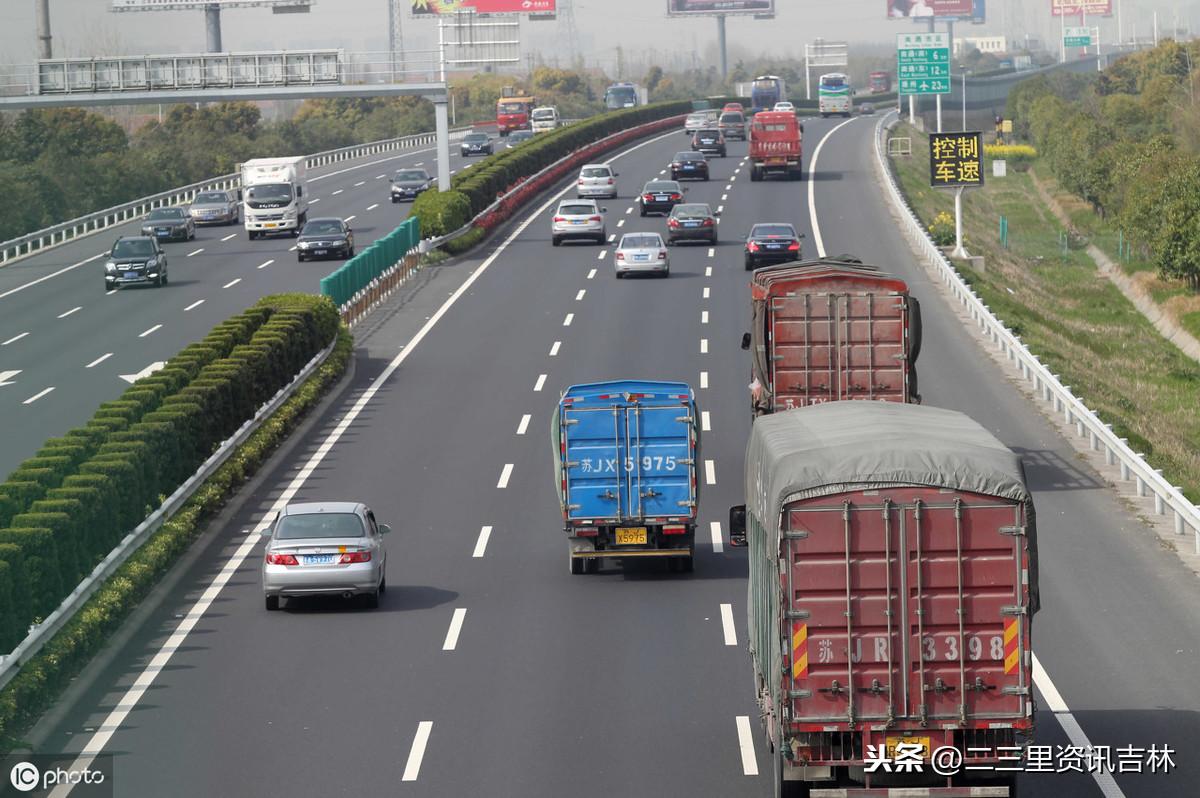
709,140
135,260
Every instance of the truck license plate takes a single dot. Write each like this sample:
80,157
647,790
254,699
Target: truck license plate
631,536
892,743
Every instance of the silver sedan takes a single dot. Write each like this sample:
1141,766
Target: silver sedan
215,207
325,549
641,252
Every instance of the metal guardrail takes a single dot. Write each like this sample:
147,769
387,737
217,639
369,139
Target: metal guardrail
1147,480
42,633
58,234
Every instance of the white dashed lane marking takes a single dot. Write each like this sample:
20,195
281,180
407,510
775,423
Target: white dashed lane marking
71,311
14,339
232,283
541,381
99,360
194,305
705,421
152,329
505,475
554,349
524,425
481,544
704,379
37,396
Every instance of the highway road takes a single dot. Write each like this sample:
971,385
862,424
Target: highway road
65,341
488,669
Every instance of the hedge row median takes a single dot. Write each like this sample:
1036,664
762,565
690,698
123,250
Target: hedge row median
66,508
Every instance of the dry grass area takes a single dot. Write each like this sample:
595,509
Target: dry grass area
1075,320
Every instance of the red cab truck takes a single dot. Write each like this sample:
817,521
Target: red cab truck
512,113
892,583
775,145
879,82
829,329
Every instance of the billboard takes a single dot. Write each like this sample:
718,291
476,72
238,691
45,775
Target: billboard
901,9
683,8
484,6
1068,8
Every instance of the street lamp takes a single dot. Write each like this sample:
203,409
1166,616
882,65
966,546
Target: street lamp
963,67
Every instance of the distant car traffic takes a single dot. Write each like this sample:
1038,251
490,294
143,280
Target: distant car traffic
135,260
772,242
784,106
733,125
169,224
325,549
698,120
325,238
518,136
543,119
709,140
692,221
596,180
476,143
689,164
408,183
641,252
660,196
578,218
215,207
733,107
866,109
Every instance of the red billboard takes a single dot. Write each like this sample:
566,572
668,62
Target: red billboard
1073,8
484,6
900,9
683,8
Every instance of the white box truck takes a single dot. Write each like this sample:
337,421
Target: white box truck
274,196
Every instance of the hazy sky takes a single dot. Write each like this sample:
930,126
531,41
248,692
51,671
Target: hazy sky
641,27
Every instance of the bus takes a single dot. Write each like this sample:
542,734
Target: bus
621,95
833,94
879,82
765,91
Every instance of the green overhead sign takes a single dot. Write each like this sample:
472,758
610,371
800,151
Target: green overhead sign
923,63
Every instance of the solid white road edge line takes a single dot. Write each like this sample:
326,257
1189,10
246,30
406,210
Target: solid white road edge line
505,475
746,746
456,623
417,753
524,425
130,699
727,626
812,186
481,544
718,543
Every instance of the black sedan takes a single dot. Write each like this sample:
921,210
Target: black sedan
772,242
692,221
476,144
408,183
709,140
660,196
689,164
169,224
324,238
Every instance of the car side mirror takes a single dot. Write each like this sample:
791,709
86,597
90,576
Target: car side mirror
717,213
390,180
802,235
266,533
685,189
737,525
802,128
299,191
384,529
745,340
616,174
604,210
239,195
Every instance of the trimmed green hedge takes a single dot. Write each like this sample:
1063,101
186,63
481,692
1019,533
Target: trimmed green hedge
68,506
44,677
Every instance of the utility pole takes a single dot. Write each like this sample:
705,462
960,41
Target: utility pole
43,29
721,46
212,27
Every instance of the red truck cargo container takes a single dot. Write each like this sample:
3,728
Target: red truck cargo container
829,329
893,580
775,145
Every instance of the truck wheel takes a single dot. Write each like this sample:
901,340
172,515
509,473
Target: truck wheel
576,564
591,565
755,174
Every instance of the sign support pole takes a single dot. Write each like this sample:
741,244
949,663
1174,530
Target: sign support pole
442,126
959,252
912,109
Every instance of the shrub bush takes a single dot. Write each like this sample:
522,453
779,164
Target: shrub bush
1018,156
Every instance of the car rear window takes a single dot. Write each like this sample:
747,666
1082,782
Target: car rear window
576,210
733,119
646,241
596,171
661,186
692,210
319,525
773,230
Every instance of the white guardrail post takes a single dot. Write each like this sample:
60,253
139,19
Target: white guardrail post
41,633
1147,480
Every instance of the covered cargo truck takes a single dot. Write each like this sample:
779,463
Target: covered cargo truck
625,455
775,145
892,582
829,329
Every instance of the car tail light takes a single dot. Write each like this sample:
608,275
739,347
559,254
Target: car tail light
662,254
673,529
676,164
677,197
354,556
794,246
282,559
672,222
648,197
595,218
560,218
610,181
620,255
753,247
586,531
580,181
706,223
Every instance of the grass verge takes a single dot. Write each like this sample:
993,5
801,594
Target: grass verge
44,677
1076,321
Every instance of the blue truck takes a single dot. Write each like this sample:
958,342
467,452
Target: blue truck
626,455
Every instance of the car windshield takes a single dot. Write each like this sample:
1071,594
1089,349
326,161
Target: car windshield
323,228
475,138
412,174
272,192
520,135
596,171
692,210
165,214
772,230
511,108
211,197
546,114
732,118
319,525
133,248
641,241
697,117
661,186
578,209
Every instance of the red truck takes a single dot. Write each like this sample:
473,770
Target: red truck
512,113
879,82
828,329
775,145
892,583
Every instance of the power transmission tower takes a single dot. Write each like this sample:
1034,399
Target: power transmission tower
396,35
567,9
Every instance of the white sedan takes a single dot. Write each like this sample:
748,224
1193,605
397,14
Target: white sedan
641,252
784,106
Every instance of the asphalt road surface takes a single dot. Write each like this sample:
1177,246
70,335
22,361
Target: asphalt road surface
488,669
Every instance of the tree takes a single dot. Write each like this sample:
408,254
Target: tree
654,76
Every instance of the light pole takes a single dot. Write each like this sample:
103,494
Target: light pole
963,67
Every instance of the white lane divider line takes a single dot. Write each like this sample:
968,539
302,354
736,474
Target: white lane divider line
194,252
524,425
110,293
194,305
712,252
746,746
727,627
339,191
456,622
418,163
705,421
481,545
704,346
602,254
812,170
381,177
152,329
314,201
360,183
728,188
413,768
232,283
292,248
720,209
98,360
541,381
351,217
629,210
706,291
226,238
505,475
373,207
704,317
554,349
591,274
582,293
732,179
663,172
567,321
37,396
63,270
620,222
1062,713
612,236
708,271
738,169
718,542
704,379
14,339
265,264
710,473
724,197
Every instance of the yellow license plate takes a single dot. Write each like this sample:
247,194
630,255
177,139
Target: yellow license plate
268,224
893,743
631,536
